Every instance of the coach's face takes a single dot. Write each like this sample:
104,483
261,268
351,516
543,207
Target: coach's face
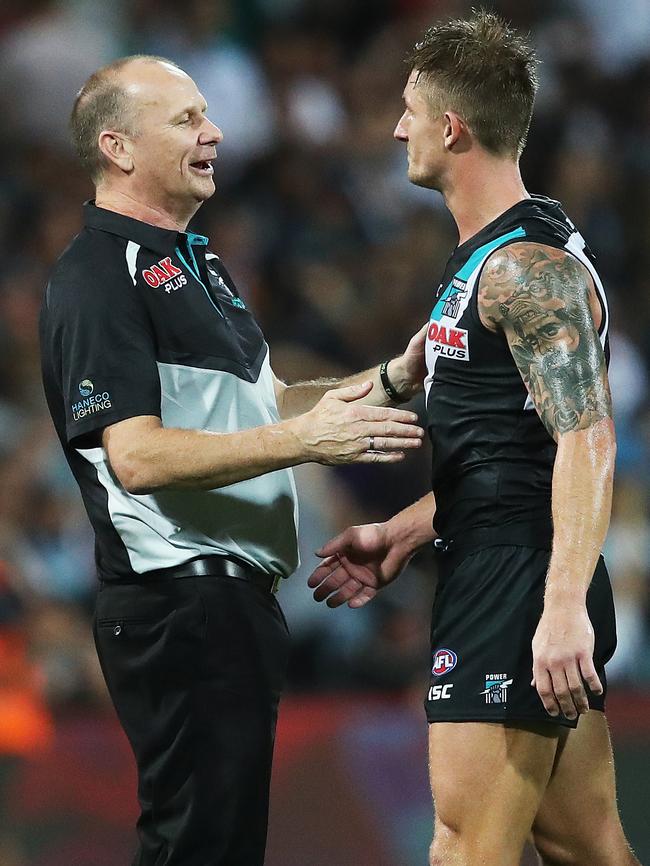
423,135
171,154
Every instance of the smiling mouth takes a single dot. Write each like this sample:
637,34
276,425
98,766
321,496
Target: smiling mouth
203,167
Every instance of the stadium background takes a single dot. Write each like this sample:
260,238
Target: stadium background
338,255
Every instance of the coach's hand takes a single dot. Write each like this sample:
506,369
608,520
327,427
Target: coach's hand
356,565
563,649
340,429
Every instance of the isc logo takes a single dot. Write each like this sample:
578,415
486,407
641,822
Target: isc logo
440,692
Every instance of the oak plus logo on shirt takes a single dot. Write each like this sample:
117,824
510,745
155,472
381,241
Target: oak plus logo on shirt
164,273
91,403
449,341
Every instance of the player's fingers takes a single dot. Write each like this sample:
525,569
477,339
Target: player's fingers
590,676
577,689
417,340
349,589
544,686
361,572
363,597
321,571
563,692
331,584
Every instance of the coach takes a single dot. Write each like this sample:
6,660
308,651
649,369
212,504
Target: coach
160,387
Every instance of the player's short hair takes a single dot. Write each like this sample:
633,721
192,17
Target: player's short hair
102,103
483,70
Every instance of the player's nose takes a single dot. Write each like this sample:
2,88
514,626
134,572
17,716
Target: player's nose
399,133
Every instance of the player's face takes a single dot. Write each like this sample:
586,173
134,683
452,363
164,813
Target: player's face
176,143
423,136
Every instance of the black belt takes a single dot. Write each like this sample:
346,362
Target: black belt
214,566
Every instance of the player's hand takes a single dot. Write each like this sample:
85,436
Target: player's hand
407,372
341,429
356,565
563,649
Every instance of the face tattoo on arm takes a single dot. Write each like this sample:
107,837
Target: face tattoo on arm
539,296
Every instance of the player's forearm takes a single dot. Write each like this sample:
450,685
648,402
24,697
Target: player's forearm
303,396
412,528
171,458
582,497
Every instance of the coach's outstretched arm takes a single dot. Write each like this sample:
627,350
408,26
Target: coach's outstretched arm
544,301
363,559
145,456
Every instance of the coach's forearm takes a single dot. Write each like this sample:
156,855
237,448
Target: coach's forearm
302,396
155,458
582,498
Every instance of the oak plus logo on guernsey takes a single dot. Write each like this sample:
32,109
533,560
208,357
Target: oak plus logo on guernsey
448,341
165,273
91,402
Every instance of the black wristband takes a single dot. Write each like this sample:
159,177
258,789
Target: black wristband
387,385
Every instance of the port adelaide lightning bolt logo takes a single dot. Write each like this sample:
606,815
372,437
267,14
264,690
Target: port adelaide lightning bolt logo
445,339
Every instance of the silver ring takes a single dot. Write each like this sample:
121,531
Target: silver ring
371,447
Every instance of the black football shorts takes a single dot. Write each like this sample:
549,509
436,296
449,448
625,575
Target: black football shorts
484,617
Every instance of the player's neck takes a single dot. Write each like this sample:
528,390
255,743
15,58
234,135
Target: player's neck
482,193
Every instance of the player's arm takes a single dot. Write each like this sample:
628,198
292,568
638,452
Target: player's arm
363,559
543,301
405,373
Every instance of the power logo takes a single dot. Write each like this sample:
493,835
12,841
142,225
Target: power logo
448,341
166,274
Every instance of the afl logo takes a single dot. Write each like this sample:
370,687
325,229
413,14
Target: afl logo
86,388
444,661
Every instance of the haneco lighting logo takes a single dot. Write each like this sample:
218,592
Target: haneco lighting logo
91,403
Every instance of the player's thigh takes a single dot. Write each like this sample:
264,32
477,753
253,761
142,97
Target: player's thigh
488,781
578,821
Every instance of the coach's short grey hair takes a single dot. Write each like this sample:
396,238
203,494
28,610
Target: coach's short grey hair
102,103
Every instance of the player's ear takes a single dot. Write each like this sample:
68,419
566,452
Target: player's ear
454,129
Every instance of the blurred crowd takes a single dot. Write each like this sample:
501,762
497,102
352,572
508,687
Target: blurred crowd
337,254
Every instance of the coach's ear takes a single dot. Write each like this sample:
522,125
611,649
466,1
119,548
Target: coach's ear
456,132
117,149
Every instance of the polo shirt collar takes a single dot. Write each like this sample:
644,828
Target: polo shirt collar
148,236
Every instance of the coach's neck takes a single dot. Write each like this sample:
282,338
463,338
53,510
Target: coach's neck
165,216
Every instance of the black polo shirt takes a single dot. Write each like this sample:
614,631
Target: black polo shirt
139,320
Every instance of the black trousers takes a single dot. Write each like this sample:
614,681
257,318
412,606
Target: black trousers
195,667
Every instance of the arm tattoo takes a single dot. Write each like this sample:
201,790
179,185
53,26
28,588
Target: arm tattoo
539,296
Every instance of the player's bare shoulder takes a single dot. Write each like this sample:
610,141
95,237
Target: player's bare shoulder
541,298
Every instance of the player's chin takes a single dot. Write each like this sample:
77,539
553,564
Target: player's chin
421,178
